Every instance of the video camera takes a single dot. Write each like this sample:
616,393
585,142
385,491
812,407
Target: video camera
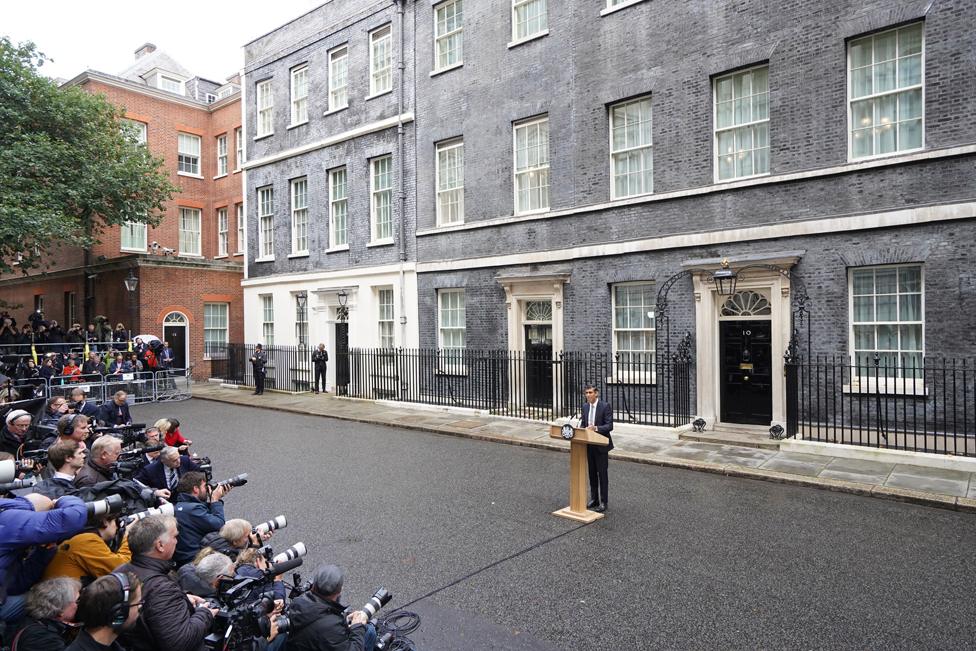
130,434
233,482
132,461
246,604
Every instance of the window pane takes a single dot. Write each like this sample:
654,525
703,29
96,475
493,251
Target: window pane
863,337
863,281
910,279
886,281
910,307
863,309
886,308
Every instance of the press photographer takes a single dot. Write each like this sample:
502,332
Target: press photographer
166,471
65,459
108,607
199,511
115,412
104,452
51,608
92,553
171,620
318,621
14,433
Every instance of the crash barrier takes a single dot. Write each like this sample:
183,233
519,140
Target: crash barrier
144,386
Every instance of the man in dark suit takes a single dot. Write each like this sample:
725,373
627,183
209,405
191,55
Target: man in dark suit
165,472
115,411
81,404
597,415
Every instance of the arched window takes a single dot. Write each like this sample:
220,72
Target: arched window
746,303
175,318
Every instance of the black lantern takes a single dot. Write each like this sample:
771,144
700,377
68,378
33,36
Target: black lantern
131,282
725,279
343,297
301,300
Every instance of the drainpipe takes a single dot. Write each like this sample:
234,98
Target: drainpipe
402,191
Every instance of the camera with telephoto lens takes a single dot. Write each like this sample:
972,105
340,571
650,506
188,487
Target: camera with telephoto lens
130,519
379,599
233,482
105,506
204,465
298,550
275,523
17,484
132,461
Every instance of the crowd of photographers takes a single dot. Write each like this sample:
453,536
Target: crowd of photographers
42,352
114,536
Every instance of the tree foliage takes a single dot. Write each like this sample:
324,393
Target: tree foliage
69,166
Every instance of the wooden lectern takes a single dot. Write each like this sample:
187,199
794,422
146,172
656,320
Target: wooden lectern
577,471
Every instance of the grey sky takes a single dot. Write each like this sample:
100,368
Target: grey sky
205,36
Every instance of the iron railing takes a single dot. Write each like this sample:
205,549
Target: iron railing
288,368
145,386
925,407
523,384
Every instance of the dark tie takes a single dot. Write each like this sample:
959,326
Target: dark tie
174,479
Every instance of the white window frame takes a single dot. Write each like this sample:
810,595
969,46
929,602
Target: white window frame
442,190
211,312
223,233
179,83
240,228
267,320
222,155
529,170
133,228
617,5
299,95
738,126
375,196
185,158
141,135
265,205
299,216
868,383
541,31
873,97
338,92
239,148
264,96
335,202
449,37
378,72
614,154
451,357
385,318
187,236
621,372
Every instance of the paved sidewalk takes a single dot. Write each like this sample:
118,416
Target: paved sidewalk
951,489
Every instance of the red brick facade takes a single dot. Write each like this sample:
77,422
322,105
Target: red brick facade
167,283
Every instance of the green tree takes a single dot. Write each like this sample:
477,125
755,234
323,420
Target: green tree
69,166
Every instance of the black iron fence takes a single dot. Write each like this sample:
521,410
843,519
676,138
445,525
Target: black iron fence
523,384
924,406
288,368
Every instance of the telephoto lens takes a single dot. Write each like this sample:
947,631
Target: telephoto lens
379,599
237,480
17,484
165,509
297,550
111,504
8,470
273,524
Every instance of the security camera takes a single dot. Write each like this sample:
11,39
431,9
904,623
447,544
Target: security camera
154,245
168,251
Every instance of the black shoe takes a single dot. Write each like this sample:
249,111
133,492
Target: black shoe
593,504
601,508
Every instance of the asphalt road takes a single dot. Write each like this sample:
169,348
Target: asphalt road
460,531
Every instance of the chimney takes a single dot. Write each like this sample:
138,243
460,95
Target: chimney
144,49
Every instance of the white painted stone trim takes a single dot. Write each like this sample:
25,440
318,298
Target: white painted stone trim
359,131
844,451
930,154
905,217
353,272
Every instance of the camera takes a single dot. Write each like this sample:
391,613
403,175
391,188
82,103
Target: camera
132,461
110,504
233,482
17,484
379,599
165,509
205,466
298,550
278,522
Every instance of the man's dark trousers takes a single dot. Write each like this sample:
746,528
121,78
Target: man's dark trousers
597,462
319,377
259,381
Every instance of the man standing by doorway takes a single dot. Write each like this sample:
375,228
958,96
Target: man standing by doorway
320,360
598,417
258,360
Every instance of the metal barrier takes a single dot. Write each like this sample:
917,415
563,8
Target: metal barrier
140,386
24,389
145,386
93,385
172,384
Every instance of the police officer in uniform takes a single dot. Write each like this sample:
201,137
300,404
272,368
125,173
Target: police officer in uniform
258,360
320,360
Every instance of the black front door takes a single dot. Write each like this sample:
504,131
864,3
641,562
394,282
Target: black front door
538,365
176,336
342,358
747,373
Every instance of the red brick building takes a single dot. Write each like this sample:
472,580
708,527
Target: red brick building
190,266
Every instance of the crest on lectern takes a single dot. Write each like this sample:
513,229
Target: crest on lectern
567,431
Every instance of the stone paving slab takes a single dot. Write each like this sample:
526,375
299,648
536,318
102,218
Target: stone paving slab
917,484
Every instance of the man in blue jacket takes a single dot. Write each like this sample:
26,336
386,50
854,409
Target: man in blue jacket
26,525
115,412
199,511
597,416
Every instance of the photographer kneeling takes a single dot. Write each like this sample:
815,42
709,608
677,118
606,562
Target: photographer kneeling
318,622
199,511
87,555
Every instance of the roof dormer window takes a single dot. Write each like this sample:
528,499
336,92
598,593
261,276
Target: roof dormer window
171,84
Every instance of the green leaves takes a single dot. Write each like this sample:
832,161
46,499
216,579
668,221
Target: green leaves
69,166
